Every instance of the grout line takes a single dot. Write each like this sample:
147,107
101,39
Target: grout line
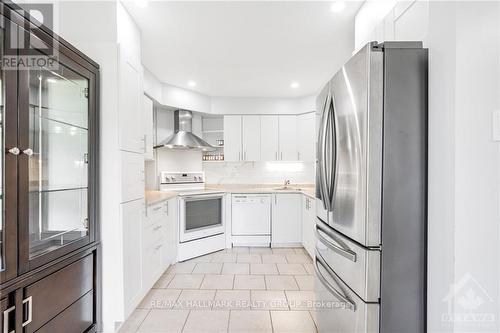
314,322
271,318
185,321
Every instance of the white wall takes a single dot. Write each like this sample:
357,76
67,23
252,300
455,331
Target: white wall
258,172
185,99
464,163
242,105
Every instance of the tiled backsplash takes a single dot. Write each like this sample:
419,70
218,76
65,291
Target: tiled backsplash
258,172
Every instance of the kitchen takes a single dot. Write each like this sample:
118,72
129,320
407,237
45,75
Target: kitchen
251,167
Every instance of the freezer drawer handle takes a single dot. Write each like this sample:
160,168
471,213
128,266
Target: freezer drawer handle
340,296
347,253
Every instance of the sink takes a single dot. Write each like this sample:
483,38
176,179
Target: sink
286,188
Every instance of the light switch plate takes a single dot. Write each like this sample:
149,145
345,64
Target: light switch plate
496,125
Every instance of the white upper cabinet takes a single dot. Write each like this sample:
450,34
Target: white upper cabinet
147,116
288,138
130,113
251,138
232,138
306,137
269,140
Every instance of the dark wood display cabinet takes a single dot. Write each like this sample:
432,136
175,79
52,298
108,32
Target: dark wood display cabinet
49,238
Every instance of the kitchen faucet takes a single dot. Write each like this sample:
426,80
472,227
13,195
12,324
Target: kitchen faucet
287,182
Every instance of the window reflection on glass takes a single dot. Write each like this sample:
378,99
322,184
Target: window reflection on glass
58,169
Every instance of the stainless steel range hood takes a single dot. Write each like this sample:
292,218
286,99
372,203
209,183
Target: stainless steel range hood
183,138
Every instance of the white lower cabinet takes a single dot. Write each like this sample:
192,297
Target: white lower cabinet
131,215
308,224
287,217
159,241
171,232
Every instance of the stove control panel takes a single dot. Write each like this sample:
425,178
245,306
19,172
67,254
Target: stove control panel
181,177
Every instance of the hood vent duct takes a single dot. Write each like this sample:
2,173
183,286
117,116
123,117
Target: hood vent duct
183,138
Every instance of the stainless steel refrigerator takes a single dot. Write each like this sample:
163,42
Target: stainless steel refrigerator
372,191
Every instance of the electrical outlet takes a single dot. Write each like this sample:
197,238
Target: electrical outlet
496,125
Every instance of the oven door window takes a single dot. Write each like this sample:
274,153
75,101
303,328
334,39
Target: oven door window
203,213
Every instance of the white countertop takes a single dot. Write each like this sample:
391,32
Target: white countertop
154,197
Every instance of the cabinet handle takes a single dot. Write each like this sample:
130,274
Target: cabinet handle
158,247
157,228
6,314
14,151
28,300
157,208
144,139
168,210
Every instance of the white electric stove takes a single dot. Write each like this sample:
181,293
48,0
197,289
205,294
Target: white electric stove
201,213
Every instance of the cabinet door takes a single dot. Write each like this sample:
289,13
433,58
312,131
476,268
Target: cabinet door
132,213
288,138
232,138
171,231
57,138
308,224
130,96
286,224
306,137
132,176
269,138
8,159
147,116
251,138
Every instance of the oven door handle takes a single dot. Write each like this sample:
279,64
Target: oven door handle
202,197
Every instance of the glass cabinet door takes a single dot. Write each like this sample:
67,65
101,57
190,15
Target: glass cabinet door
56,145
8,159
58,138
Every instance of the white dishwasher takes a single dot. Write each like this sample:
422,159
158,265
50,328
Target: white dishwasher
251,219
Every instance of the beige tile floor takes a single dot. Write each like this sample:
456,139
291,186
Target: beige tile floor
234,290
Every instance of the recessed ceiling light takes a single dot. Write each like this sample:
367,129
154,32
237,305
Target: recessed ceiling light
192,83
337,6
294,85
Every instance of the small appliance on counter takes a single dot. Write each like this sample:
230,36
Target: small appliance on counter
201,214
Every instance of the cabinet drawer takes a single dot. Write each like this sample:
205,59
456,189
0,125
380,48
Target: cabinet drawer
153,234
75,319
155,213
56,292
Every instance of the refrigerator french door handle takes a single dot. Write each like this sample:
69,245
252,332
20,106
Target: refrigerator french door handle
346,253
322,169
319,261
333,163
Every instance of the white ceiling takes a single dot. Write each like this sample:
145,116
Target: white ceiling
251,49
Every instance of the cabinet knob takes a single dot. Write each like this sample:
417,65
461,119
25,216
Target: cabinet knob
14,151
28,152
